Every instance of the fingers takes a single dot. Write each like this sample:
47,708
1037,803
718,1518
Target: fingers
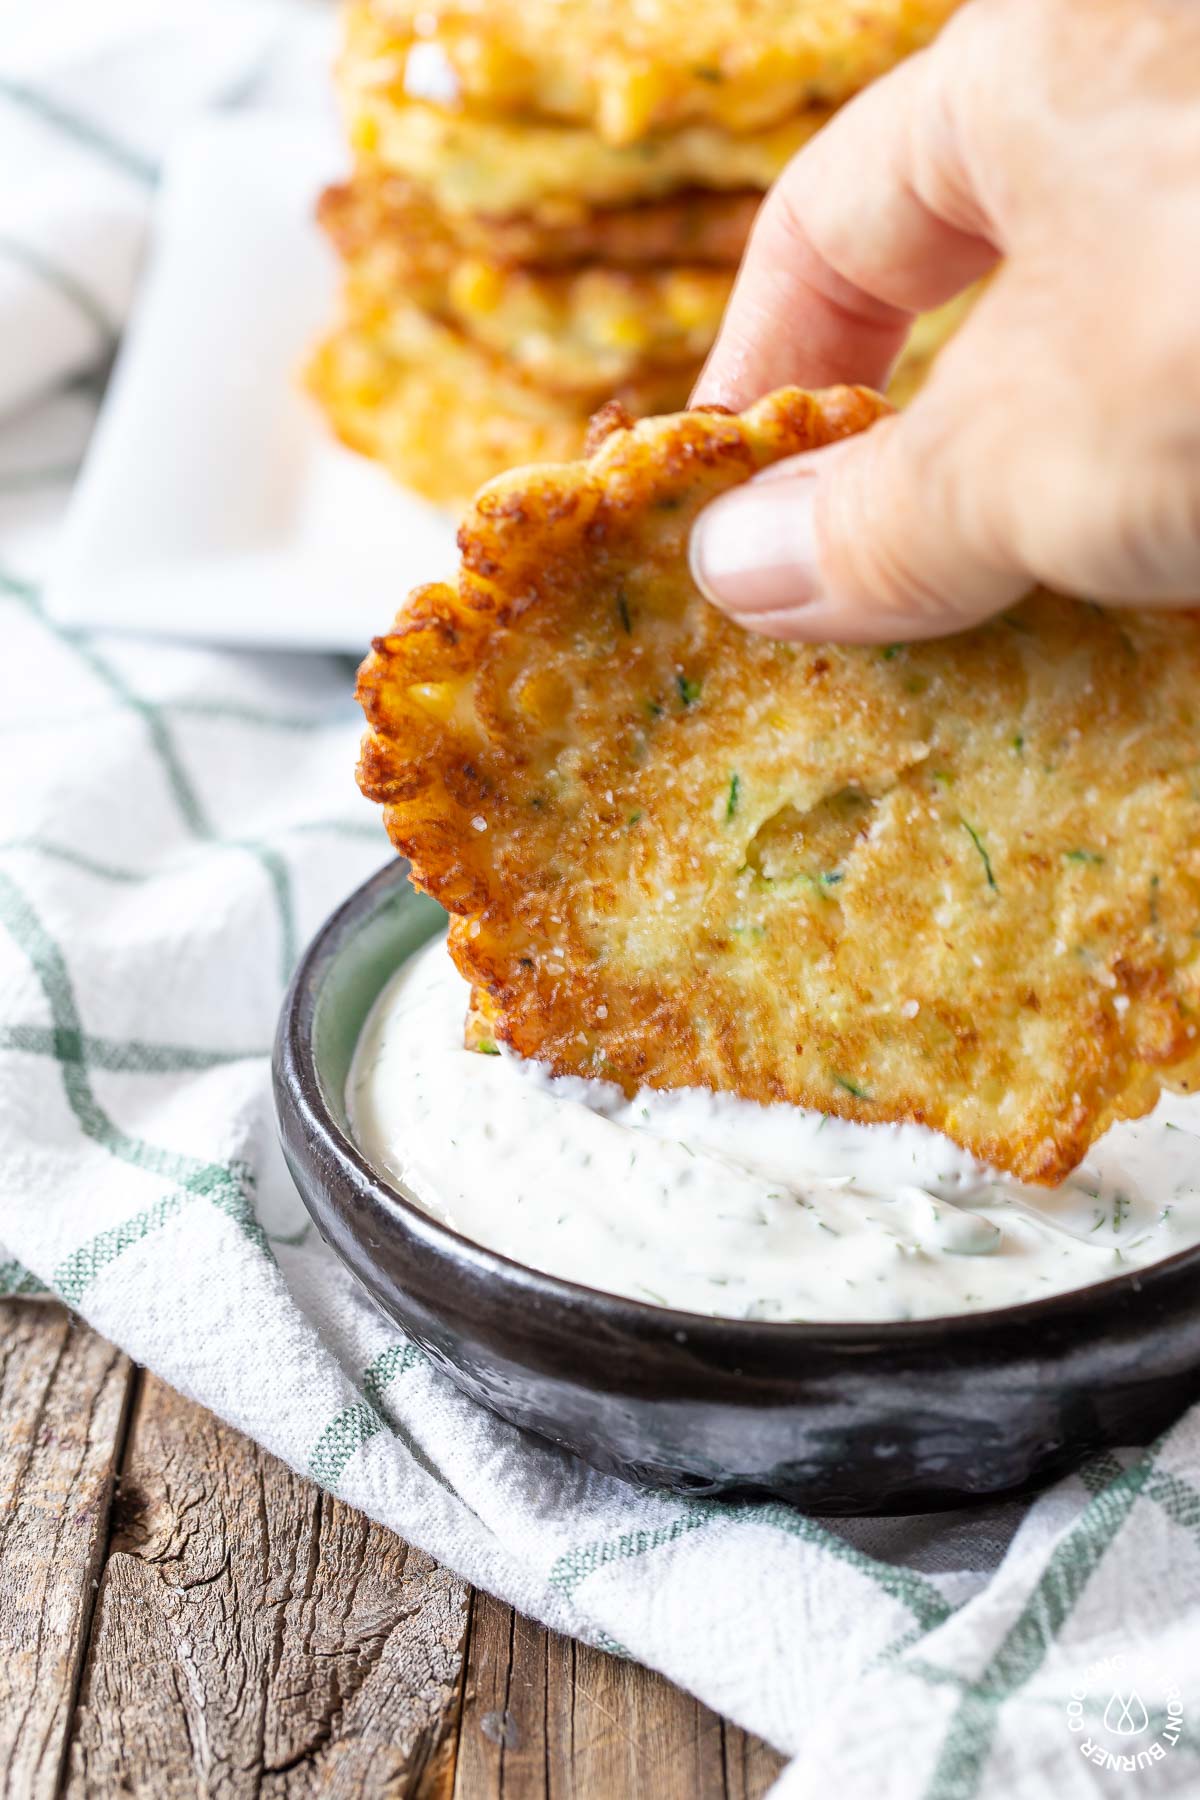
874,220
901,533
1011,468
828,553
1055,440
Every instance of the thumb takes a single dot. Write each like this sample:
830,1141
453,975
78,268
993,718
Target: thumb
891,535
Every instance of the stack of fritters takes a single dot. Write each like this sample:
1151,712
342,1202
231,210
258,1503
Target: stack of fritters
548,203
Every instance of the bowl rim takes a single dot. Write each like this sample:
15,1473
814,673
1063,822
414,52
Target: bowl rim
296,1074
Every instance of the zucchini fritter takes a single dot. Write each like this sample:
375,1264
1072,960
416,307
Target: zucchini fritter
626,70
694,227
474,164
586,329
443,415
955,882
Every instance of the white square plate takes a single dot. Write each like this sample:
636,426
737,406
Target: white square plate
213,504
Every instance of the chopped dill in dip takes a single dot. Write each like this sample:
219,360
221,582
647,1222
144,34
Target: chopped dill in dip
711,1204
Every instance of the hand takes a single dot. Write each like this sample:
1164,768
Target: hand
1058,437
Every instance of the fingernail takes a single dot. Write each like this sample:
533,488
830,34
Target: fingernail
754,550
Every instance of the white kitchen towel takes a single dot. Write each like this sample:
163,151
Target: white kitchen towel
174,823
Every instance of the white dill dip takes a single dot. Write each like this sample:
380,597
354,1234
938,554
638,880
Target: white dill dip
711,1204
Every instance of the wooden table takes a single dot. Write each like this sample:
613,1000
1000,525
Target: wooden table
181,1615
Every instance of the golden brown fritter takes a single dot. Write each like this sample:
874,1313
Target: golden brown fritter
412,297
625,70
585,330
694,228
443,415
473,163
955,882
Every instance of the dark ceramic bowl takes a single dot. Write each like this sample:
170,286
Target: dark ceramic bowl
839,1418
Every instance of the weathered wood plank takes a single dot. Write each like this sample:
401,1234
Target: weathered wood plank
63,1394
544,1718
255,1637
750,1765
617,1729
502,1729
252,1636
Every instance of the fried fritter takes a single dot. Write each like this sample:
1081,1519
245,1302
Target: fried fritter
695,228
627,70
584,330
470,163
442,415
956,882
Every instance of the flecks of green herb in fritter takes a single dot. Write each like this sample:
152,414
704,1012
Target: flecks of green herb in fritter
689,690
825,878
623,611
734,795
486,1047
985,858
851,1087
1083,856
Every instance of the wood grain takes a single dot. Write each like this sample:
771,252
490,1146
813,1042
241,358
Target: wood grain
751,1766
63,1394
253,1636
181,1615
545,1718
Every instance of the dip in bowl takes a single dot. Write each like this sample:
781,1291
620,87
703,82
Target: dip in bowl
919,1374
